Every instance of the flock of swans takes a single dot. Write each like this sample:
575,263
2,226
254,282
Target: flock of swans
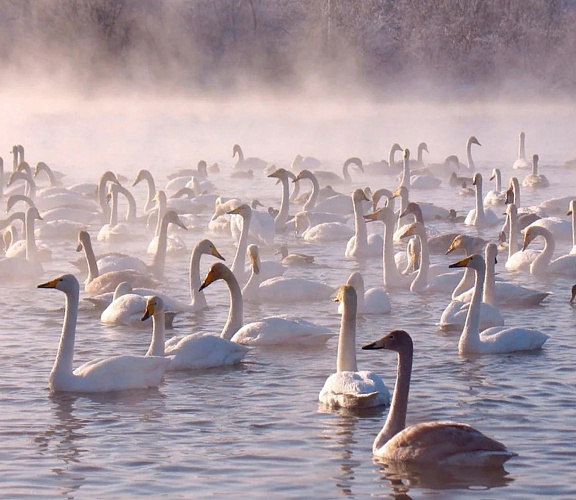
128,291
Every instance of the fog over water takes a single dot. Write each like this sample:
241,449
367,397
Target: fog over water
96,85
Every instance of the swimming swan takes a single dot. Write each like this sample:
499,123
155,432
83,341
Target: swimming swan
348,387
100,375
433,443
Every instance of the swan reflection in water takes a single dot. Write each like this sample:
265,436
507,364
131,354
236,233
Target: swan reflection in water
61,442
402,477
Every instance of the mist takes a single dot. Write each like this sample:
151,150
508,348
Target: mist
129,84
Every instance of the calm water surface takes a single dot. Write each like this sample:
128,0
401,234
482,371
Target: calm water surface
255,430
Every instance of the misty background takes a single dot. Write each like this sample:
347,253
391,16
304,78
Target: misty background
329,78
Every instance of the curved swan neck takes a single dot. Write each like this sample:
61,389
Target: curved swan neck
131,215
93,272
236,313
541,263
239,257
64,362
471,165
391,274
113,206
159,261
479,200
282,217
156,347
311,202
347,340
197,297
162,207
238,151
396,420
471,332
360,224
106,177
147,176
465,283
421,281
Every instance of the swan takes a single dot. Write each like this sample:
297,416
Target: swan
174,243
419,162
471,140
280,220
339,203
145,175
422,181
97,283
445,282
259,225
114,232
556,205
28,248
348,387
392,278
480,217
371,301
521,161
517,260
189,352
275,330
299,162
502,293
323,232
496,196
281,290
543,265
513,196
54,177
362,245
294,259
535,180
432,443
328,177
100,375
498,339
454,316
201,171
383,167
430,212
247,163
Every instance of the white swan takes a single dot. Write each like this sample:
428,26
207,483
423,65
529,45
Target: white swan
471,165
348,387
498,339
432,443
114,232
454,316
543,265
371,301
28,247
535,180
281,290
362,245
496,196
247,163
480,217
327,177
146,176
521,161
517,260
421,181
275,330
323,232
100,375
174,243
280,220
338,203
191,352
383,167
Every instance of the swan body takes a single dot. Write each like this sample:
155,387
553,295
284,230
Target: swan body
543,265
432,443
496,196
100,375
247,163
521,161
191,352
371,301
535,180
421,181
495,340
348,387
517,260
362,245
294,259
323,232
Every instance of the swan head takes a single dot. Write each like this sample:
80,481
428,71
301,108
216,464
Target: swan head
207,247
452,160
354,161
573,294
423,147
202,168
243,210
304,174
460,242
253,255
64,283
172,217
33,214
160,197
406,154
413,208
142,174
346,294
532,233
522,135
218,271
414,229
473,140
571,207
123,288
494,173
355,280
279,173
400,192
492,253
475,261
236,150
154,305
83,239
395,147
19,175
477,179
397,340
509,196
359,195
301,221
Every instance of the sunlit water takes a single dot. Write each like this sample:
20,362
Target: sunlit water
256,430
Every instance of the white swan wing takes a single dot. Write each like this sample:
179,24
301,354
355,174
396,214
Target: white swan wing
346,389
203,351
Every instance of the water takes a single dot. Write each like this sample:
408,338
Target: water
255,430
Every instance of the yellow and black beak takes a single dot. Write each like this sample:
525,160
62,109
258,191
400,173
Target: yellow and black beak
49,284
216,254
149,312
461,263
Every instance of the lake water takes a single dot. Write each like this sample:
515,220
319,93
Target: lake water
256,430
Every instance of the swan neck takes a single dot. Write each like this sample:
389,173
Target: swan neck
421,281
391,275
471,165
159,261
498,181
574,227
522,149
396,420
471,332
197,297
514,230
239,257
516,192
479,202
465,283
311,202
93,272
151,189
161,211
236,313
360,225
541,263
31,248
347,340
282,217
488,296
158,335
65,357
405,175
114,208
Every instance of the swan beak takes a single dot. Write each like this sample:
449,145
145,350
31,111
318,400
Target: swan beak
371,217
573,294
379,344
149,312
409,232
216,254
461,263
49,284
79,247
492,176
339,294
405,213
179,223
236,211
209,279
453,246
569,212
254,262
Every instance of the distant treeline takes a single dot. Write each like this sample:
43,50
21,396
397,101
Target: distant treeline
384,45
